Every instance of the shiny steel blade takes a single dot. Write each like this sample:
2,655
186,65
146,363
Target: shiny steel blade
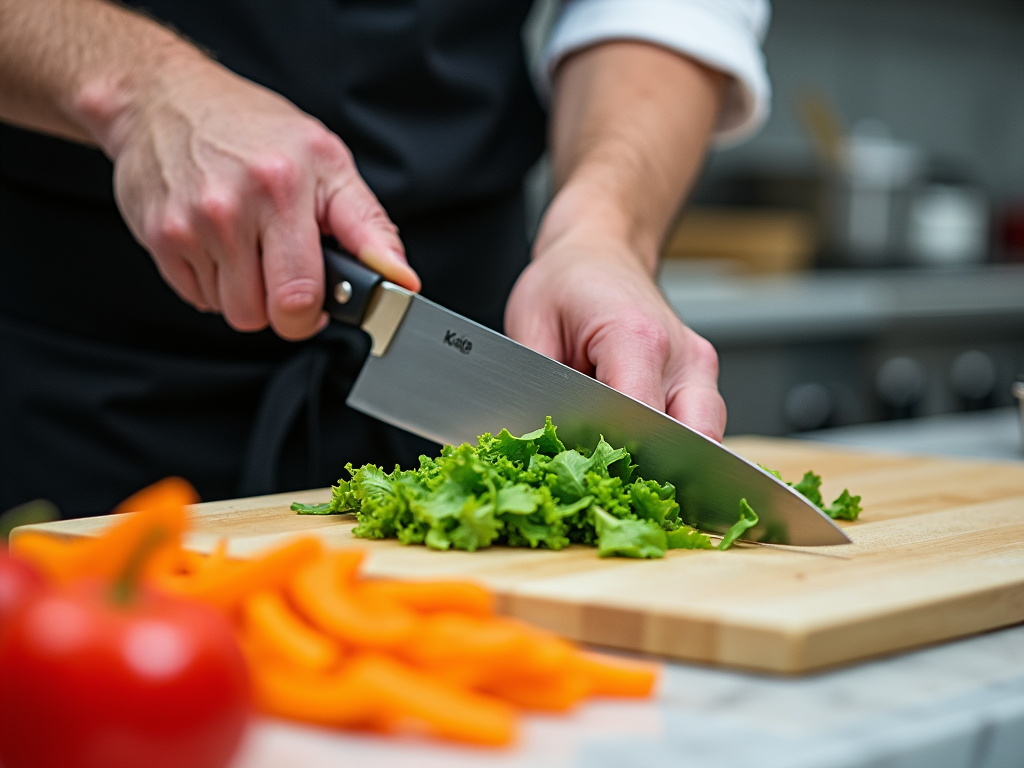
449,379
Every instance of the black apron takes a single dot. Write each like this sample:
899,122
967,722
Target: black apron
108,381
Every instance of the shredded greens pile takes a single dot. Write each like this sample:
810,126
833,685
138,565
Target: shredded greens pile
530,491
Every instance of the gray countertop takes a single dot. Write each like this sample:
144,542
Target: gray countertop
956,705
990,434
728,308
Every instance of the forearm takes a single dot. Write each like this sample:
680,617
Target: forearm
78,68
630,126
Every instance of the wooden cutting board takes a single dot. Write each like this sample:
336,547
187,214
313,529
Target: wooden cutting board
938,553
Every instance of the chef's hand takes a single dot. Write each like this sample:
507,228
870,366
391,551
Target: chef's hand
227,184
630,124
587,301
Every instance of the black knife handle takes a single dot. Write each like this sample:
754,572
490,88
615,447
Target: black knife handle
349,284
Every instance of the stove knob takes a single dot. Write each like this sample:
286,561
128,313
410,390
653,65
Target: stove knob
973,375
807,406
900,383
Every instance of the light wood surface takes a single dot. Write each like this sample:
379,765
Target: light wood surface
938,553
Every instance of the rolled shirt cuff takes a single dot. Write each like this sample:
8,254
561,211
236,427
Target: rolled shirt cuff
721,34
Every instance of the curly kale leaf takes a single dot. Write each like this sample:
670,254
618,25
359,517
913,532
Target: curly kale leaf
810,487
846,507
627,538
653,501
685,537
312,509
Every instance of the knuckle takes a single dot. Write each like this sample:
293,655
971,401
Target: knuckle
648,332
170,233
219,208
276,175
322,143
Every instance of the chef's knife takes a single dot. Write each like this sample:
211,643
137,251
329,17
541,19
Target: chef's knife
446,378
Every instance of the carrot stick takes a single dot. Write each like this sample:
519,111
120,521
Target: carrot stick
268,617
227,586
612,676
59,560
452,638
407,699
323,593
337,699
432,596
557,693
159,507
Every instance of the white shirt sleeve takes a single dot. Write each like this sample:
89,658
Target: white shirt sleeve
723,34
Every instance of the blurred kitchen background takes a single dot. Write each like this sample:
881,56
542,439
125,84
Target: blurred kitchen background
862,258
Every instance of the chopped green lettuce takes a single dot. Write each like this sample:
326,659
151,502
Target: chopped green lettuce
845,507
748,519
685,537
312,509
527,491
627,538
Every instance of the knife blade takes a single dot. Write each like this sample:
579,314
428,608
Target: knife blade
444,377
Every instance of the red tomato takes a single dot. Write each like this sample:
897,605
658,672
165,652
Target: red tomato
85,683
18,582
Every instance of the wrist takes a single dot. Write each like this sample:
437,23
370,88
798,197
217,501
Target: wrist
110,103
589,207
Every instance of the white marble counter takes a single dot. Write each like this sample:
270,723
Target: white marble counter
959,705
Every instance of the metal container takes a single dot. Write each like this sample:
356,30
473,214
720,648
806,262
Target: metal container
1018,392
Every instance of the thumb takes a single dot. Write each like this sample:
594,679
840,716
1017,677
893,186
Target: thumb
357,219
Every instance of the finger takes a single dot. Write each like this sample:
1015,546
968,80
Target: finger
240,289
206,276
630,355
181,258
357,220
293,273
178,273
701,408
231,240
693,396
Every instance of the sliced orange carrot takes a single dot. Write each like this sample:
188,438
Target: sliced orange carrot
227,586
159,510
268,617
322,592
59,560
432,596
544,654
445,639
556,693
410,700
337,699
613,676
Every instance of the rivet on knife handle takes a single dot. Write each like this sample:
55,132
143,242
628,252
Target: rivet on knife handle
356,295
